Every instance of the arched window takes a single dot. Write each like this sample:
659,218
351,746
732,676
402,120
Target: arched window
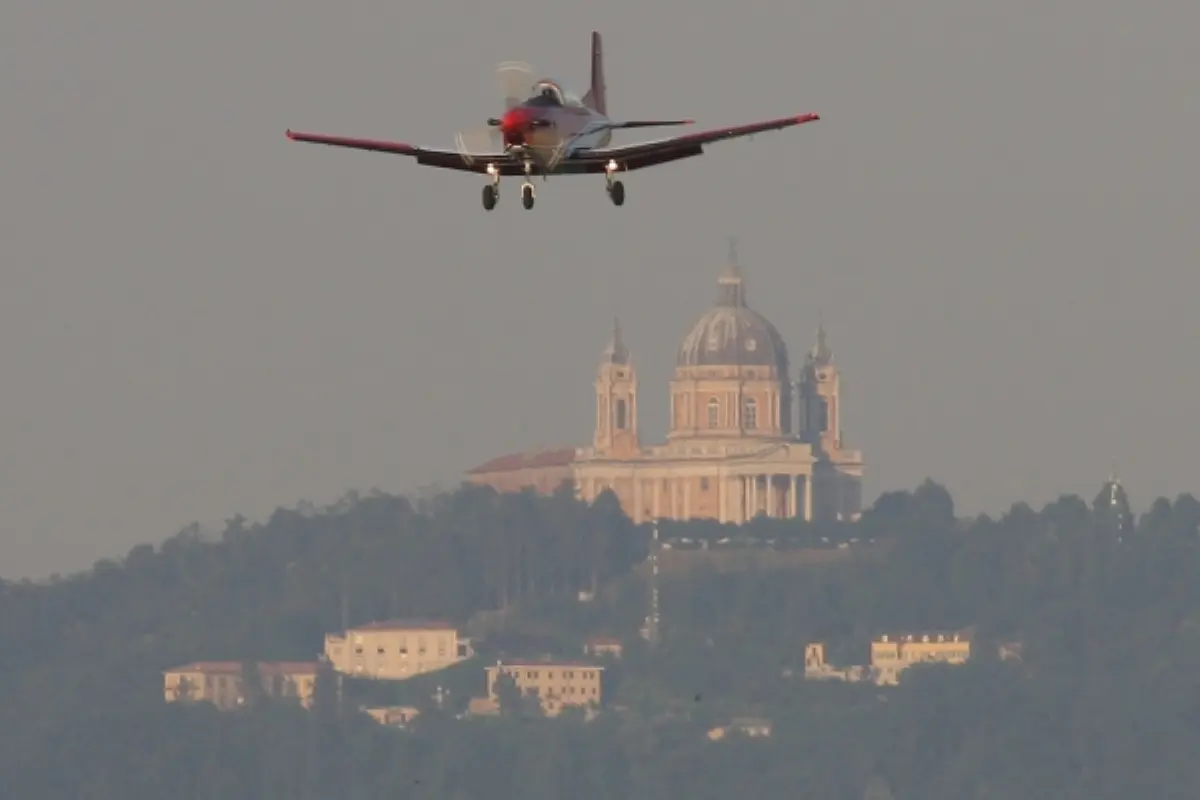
750,413
714,412
620,415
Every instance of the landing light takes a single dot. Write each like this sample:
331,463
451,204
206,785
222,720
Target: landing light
612,166
491,169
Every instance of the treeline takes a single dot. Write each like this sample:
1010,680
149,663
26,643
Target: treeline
1104,703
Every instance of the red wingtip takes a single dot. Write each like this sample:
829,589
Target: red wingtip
811,117
291,135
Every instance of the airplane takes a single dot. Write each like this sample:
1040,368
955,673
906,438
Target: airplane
551,131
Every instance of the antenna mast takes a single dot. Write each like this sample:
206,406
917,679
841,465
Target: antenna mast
652,631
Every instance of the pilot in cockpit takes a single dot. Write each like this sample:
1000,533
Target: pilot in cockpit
549,95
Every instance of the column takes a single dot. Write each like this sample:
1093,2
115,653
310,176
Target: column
722,499
686,511
753,497
770,495
637,514
656,497
737,486
808,497
792,487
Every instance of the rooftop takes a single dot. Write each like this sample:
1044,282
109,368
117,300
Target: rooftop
554,457
927,636
235,667
535,664
406,625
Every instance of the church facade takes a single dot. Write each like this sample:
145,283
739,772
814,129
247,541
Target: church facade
744,439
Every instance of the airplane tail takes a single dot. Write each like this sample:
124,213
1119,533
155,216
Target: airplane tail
595,98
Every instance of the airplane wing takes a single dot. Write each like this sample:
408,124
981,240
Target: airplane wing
661,151
628,157
649,123
445,159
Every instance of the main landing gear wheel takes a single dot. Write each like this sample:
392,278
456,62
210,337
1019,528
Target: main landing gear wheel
616,191
489,197
527,195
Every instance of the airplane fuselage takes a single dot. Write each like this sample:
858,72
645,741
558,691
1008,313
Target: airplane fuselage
547,134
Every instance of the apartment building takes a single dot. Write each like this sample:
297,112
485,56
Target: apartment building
396,649
221,682
891,654
556,684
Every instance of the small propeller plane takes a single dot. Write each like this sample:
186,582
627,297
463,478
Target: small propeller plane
549,131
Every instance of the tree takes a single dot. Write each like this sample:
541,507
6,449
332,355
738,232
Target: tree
250,685
508,696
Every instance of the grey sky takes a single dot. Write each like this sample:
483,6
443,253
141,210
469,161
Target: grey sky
996,216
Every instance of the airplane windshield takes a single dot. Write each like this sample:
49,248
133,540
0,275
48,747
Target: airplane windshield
549,93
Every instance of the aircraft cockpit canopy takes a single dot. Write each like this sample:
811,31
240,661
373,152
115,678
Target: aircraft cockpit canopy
549,93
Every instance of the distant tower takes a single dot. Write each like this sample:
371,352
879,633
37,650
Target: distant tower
820,398
1113,503
616,401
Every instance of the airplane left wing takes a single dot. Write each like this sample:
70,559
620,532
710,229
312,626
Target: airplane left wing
661,151
649,123
443,159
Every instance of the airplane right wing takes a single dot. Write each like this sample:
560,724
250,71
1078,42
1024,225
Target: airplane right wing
661,151
443,159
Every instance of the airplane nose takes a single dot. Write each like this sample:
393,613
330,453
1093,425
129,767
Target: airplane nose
514,121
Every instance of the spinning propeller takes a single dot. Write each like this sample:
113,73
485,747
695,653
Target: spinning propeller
515,79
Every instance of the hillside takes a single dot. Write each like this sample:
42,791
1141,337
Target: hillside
1109,619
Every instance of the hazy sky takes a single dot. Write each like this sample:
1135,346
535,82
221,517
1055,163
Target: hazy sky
997,218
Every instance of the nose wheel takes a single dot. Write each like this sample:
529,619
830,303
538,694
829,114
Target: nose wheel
527,195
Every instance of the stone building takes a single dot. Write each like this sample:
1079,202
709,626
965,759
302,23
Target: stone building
744,438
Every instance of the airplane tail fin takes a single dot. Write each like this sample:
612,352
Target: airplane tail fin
595,98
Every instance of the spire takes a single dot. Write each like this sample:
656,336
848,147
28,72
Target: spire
820,352
616,352
730,288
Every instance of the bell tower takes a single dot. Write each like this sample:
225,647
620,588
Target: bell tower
820,407
616,401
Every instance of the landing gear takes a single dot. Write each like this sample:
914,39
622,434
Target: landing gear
491,192
616,192
615,189
527,187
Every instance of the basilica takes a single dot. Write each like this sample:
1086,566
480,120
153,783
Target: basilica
743,440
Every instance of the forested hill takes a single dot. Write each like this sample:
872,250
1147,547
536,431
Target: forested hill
1104,703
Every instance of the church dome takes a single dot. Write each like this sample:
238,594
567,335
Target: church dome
733,334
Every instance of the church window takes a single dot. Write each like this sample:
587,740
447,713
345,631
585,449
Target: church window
714,412
620,423
750,413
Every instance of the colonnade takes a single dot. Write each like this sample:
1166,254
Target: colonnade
740,497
